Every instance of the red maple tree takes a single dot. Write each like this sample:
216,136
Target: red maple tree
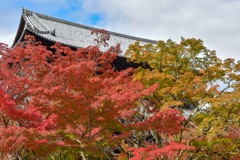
63,97
71,103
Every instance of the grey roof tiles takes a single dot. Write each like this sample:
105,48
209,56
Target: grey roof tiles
68,33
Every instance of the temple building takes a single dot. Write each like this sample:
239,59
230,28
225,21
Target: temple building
50,30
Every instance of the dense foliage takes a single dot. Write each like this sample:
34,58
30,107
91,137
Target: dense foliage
191,77
60,103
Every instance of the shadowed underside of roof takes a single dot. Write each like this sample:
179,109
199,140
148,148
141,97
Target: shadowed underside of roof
67,33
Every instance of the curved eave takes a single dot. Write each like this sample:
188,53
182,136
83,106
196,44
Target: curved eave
20,32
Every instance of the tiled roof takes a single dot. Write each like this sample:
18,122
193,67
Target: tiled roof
68,33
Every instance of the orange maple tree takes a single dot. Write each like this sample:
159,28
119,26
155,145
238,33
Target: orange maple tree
192,79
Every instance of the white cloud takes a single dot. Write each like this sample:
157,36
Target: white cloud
8,38
216,22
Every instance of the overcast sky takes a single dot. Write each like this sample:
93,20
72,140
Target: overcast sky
216,22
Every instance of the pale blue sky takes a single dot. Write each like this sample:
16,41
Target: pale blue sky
216,22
